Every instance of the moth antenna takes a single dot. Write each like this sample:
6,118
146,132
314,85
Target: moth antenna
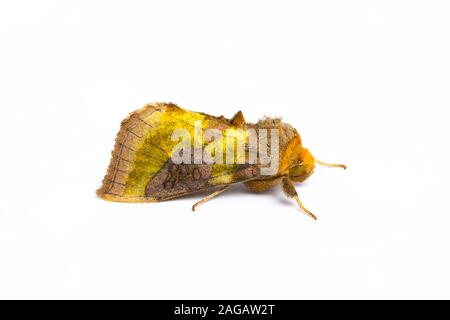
333,165
309,213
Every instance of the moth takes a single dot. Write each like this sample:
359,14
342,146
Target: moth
163,152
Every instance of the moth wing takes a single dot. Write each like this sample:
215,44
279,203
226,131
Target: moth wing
182,179
129,150
143,150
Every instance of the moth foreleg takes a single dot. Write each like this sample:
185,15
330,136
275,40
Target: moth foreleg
289,189
209,197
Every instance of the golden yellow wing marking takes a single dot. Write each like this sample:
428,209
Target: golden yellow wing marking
131,134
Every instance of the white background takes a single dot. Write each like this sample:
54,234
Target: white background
366,83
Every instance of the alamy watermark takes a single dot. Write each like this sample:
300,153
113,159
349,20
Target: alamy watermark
231,146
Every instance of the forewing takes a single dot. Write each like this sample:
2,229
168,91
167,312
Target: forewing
176,180
141,169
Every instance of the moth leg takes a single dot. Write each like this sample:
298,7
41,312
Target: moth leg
262,185
209,197
289,189
334,165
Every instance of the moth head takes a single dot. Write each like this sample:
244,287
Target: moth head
303,168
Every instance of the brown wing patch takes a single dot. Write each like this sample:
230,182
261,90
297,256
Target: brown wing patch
176,180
